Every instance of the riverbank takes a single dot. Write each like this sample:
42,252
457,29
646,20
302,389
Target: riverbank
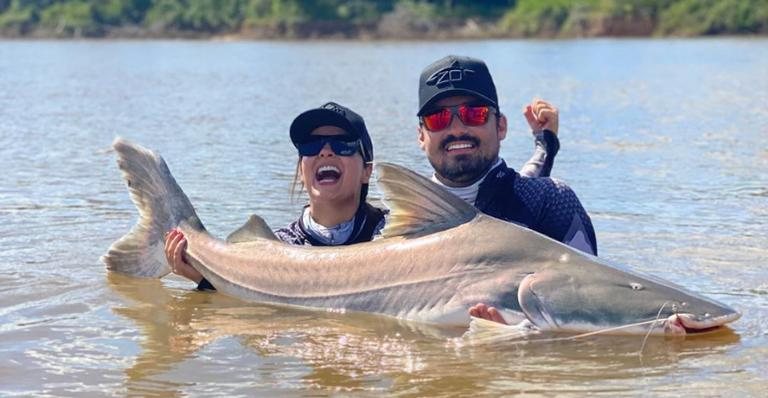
382,20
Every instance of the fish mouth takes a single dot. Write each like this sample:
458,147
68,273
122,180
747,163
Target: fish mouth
327,174
685,324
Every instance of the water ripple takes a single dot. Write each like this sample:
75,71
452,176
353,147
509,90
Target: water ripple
676,187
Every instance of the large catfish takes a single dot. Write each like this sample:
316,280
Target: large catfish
438,256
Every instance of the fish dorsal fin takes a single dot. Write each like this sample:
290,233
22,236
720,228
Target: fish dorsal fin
418,205
255,228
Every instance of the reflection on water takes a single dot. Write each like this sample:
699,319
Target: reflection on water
661,139
289,348
330,351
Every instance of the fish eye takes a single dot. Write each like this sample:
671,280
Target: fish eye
636,286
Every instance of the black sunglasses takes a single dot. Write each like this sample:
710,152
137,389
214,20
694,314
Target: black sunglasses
340,145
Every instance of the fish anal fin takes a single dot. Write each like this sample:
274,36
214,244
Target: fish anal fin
417,205
255,228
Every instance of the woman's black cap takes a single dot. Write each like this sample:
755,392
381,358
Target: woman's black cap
332,114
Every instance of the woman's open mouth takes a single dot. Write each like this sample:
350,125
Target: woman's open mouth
327,174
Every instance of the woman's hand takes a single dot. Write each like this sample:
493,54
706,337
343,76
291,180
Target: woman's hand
175,245
541,115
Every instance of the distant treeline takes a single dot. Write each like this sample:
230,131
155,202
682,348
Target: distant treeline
380,18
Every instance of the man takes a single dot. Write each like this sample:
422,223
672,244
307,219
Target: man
460,130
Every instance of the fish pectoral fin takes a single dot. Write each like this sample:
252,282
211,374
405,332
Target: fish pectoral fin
418,205
480,324
483,331
255,228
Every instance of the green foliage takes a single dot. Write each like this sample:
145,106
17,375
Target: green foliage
535,17
420,9
593,17
109,12
209,16
623,8
343,10
698,17
488,9
119,12
15,17
164,13
70,18
272,13
516,17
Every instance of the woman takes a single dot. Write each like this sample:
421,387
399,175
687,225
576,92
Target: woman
335,165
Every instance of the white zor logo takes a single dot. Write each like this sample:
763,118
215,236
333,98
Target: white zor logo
445,76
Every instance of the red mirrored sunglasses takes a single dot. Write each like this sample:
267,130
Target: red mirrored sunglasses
470,115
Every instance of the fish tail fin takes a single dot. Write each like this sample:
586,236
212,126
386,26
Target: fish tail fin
162,205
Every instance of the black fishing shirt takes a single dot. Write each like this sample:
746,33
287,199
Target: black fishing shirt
543,204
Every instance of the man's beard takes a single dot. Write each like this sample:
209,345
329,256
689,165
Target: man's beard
464,169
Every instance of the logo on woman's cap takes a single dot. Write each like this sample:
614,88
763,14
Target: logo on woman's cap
332,106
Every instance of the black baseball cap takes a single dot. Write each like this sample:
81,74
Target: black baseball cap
331,114
455,75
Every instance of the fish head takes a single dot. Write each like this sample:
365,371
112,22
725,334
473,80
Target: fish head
581,298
